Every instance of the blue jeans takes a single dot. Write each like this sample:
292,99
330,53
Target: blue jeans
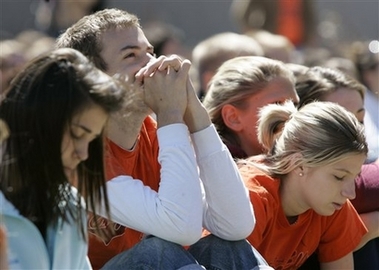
209,252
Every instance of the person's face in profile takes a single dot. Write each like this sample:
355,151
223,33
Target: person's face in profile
84,128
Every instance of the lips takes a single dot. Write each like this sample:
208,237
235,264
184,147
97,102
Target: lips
337,206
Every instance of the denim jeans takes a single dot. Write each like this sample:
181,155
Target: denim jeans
209,252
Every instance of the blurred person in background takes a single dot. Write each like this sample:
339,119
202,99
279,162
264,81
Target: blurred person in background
166,39
274,46
14,53
295,19
12,59
365,55
54,16
209,54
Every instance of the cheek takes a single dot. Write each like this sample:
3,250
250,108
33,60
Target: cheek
66,149
250,122
130,69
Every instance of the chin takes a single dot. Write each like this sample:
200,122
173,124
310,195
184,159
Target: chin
326,212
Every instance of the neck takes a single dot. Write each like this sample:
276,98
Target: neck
123,130
291,200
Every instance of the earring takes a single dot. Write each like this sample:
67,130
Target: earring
301,174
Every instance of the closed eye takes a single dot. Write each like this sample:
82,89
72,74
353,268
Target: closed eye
74,135
129,55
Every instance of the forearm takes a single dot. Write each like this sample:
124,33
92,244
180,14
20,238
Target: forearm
176,209
196,116
228,211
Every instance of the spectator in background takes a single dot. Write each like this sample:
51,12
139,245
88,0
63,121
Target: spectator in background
295,19
274,46
14,53
35,43
166,39
237,92
210,53
343,64
54,16
365,55
326,84
12,59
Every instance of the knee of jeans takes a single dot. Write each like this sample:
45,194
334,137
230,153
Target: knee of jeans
242,244
192,267
159,243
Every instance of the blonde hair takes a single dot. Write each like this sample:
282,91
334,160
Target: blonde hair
4,132
317,134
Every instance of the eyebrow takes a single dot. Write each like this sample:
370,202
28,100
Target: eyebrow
133,47
86,129
347,171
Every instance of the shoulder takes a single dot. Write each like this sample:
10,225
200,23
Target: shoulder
368,177
255,178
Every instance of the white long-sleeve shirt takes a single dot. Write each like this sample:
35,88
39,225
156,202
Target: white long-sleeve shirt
184,204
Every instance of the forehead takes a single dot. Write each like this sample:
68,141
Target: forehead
346,97
93,118
113,41
277,90
350,164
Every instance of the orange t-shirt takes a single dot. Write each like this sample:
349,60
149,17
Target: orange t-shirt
287,246
141,163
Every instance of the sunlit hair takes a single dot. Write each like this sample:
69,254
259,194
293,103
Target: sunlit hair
237,80
4,132
320,133
39,107
318,82
85,35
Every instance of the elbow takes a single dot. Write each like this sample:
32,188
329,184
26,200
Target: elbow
242,230
234,231
245,229
183,231
243,226
186,236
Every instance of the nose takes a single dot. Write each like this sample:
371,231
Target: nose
147,57
81,150
348,190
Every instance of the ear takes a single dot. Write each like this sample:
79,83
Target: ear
230,115
300,170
